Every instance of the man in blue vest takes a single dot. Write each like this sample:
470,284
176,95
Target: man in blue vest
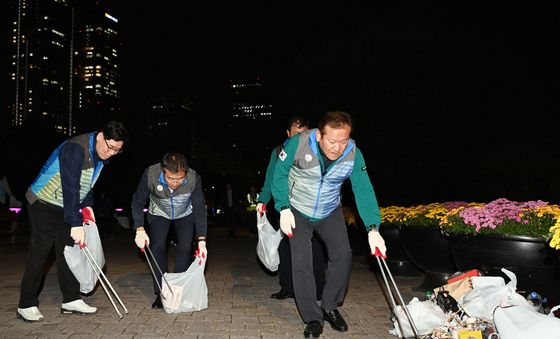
175,198
307,191
62,188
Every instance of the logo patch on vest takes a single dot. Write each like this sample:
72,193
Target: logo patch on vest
282,155
363,168
308,157
159,188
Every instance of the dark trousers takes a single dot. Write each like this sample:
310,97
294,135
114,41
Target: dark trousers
158,228
332,231
107,225
47,228
285,266
230,216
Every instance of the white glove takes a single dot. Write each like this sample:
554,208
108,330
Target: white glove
141,239
376,240
202,251
261,208
287,222
77,233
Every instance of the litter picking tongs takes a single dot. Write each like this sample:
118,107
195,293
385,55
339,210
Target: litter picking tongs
381,259
103,280
154,273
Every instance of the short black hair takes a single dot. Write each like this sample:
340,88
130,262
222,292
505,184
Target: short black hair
334,119
174,162
115,130
298,120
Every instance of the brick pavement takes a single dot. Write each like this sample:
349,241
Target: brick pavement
239,299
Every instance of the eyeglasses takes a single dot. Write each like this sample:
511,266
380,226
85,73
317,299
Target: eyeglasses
113,148
175,180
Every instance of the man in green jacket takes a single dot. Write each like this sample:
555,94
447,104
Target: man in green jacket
307,191
296,124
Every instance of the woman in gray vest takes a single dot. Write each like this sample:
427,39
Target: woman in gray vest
175,198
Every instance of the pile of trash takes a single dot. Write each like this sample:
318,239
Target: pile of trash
471,306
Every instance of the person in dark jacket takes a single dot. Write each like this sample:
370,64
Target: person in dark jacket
175,198
229,203
62,188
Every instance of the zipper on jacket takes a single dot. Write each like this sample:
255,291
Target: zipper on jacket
172,206
55,192
323,175
292,189
318,196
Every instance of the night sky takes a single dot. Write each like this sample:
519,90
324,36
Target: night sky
451,101
193,49
362,57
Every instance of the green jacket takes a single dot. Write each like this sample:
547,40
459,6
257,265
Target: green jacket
266,190
301,171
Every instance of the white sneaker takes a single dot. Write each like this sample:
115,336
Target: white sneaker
77,307
29,314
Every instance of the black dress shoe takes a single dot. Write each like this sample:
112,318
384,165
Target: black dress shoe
336,320
157,303
282,295
313,329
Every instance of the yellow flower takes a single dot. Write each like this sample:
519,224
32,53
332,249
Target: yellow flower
349,216
537,218
555,230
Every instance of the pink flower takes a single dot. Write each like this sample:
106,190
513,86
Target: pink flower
496,212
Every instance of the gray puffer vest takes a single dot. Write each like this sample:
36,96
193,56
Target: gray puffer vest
167,204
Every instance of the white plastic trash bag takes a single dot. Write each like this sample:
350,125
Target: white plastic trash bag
78,263
484,281
190,292
515,322
426,315
267,246
482,301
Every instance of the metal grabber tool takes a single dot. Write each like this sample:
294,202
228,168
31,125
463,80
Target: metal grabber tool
154,273
103,280
383,267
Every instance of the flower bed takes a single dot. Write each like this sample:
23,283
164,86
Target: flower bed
501,216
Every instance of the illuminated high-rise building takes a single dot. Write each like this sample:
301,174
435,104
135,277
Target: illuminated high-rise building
251,112
97,66
40,65
250,101
64,65
171,123
170,111
252,122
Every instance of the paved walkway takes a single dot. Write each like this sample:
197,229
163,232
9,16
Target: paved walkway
239,299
